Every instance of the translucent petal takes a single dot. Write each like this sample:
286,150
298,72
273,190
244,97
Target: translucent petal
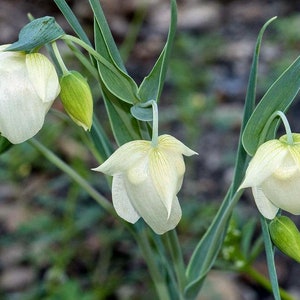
21,111
282,188
43,76
148,204
168,142
265,207
268,158
166,171
11,62
121,202
125,157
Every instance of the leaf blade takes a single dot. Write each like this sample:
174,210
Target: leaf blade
279,97
151,86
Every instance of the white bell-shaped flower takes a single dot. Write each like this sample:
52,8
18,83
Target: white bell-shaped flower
274,176
28,87
146,180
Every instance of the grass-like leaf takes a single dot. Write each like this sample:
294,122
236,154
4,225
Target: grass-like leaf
279,97
209,246
151,87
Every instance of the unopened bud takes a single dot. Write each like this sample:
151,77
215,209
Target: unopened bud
285,236
77,99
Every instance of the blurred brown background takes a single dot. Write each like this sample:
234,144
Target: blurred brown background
52,248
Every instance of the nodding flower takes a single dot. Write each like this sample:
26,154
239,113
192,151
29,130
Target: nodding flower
274,176
146,180
28,86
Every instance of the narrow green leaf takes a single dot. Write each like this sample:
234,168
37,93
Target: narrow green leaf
117,81
241,157
105,39
36,34
4,144
152,85
72,20
74,23
209,246
124,125
279,97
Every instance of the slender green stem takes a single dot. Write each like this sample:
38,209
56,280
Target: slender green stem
285,122
177,257
159,281
83,59
59,59
140,236
74,175
264,282
153,103
270,258
155,124
92,51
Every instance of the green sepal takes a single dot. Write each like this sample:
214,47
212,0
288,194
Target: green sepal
36,34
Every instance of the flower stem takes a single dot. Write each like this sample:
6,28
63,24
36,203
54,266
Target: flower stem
74,175
264,282
159,281
287,127
176,254
286,124
154,141
59,59
140,236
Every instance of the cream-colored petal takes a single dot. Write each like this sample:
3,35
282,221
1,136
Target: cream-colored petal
282,188
295,154
148,204
121,202
3,47
168,142
43,76
125,157
11,62
167,167
166,172
265,207
268,158
21,111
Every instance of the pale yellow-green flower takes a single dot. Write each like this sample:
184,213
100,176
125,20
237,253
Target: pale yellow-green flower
274,176
146,180
28,87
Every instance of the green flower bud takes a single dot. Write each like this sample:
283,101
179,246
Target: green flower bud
285,236
77,99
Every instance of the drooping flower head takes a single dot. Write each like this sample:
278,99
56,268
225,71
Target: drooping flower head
274,176
28,87
146,180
